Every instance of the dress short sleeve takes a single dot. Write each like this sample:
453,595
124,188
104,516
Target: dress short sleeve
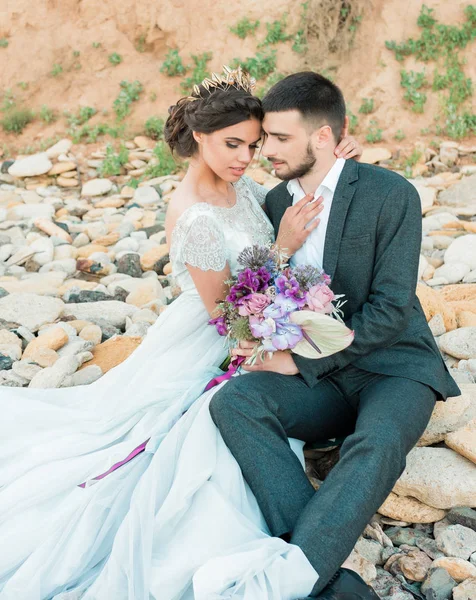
204,244
259,191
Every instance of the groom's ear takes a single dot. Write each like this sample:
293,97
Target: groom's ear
323,136
345,129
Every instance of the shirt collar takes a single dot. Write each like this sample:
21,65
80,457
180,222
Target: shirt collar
330,180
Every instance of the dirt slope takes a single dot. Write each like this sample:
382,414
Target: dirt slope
51,31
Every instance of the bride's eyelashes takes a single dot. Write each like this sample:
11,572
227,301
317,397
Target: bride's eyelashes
254,146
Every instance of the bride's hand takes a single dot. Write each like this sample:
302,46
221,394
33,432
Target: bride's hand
297,223
348,147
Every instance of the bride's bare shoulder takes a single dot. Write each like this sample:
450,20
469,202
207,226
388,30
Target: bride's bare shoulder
181,200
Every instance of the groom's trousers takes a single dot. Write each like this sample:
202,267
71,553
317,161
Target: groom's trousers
382,418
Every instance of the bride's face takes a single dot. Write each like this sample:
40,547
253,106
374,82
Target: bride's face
230,150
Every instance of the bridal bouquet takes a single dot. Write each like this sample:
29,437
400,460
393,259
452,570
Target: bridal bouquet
282,307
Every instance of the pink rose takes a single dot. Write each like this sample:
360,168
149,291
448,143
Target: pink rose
253,304
319,299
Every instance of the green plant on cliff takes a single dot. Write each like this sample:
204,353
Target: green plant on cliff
276,32
90,133
367,106
353,121
3,43
114,161
244,27
374,133
154,128
441,44
300,38
141,43
173,65
199,73
130,92
56,70
259,66
47,115
165,163
8,100
413,82
16,119
83,114
115,59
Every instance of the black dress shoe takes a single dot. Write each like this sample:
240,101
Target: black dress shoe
347,585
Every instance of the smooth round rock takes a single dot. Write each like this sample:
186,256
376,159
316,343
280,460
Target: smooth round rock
96,187
30,166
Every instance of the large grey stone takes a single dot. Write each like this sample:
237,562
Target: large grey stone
96,187
463,515
61,147
447,417
460,343
438,477
115,312
438,585
30,310
453,272
465,590
457,541
147,195
462,251
37,164
460,194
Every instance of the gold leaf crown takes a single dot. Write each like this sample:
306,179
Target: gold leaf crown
231,78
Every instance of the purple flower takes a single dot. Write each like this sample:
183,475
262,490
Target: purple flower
254,257
309,276
287,335
281,307
288,285
249,282
261,327
220,325
264,277
253,304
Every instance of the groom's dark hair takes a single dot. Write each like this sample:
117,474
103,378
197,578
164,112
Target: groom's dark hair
314,96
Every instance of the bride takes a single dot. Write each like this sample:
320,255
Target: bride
124,489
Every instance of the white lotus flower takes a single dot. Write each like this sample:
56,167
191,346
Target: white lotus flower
325,332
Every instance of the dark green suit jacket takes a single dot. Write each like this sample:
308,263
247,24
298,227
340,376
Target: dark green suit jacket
371,252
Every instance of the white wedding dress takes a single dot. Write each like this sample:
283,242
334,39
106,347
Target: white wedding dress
177,521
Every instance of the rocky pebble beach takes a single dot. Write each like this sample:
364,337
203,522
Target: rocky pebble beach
85,271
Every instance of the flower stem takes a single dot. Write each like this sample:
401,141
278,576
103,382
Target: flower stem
309,341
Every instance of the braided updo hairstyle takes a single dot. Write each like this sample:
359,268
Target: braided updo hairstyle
213,109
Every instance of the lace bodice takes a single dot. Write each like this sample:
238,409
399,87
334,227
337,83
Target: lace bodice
208,237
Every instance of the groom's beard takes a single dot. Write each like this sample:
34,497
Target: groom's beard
303,168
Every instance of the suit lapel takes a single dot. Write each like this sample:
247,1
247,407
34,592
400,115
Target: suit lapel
340,206
283,202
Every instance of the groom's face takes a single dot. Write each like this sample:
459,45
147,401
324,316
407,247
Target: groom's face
288,144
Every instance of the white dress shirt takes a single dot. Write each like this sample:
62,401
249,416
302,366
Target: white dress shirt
312,251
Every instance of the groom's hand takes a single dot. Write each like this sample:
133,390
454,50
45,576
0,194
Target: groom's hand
280,362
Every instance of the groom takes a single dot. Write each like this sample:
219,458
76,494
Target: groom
378,393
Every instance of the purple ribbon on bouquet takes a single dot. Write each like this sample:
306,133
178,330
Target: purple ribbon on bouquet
232,369
236,361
